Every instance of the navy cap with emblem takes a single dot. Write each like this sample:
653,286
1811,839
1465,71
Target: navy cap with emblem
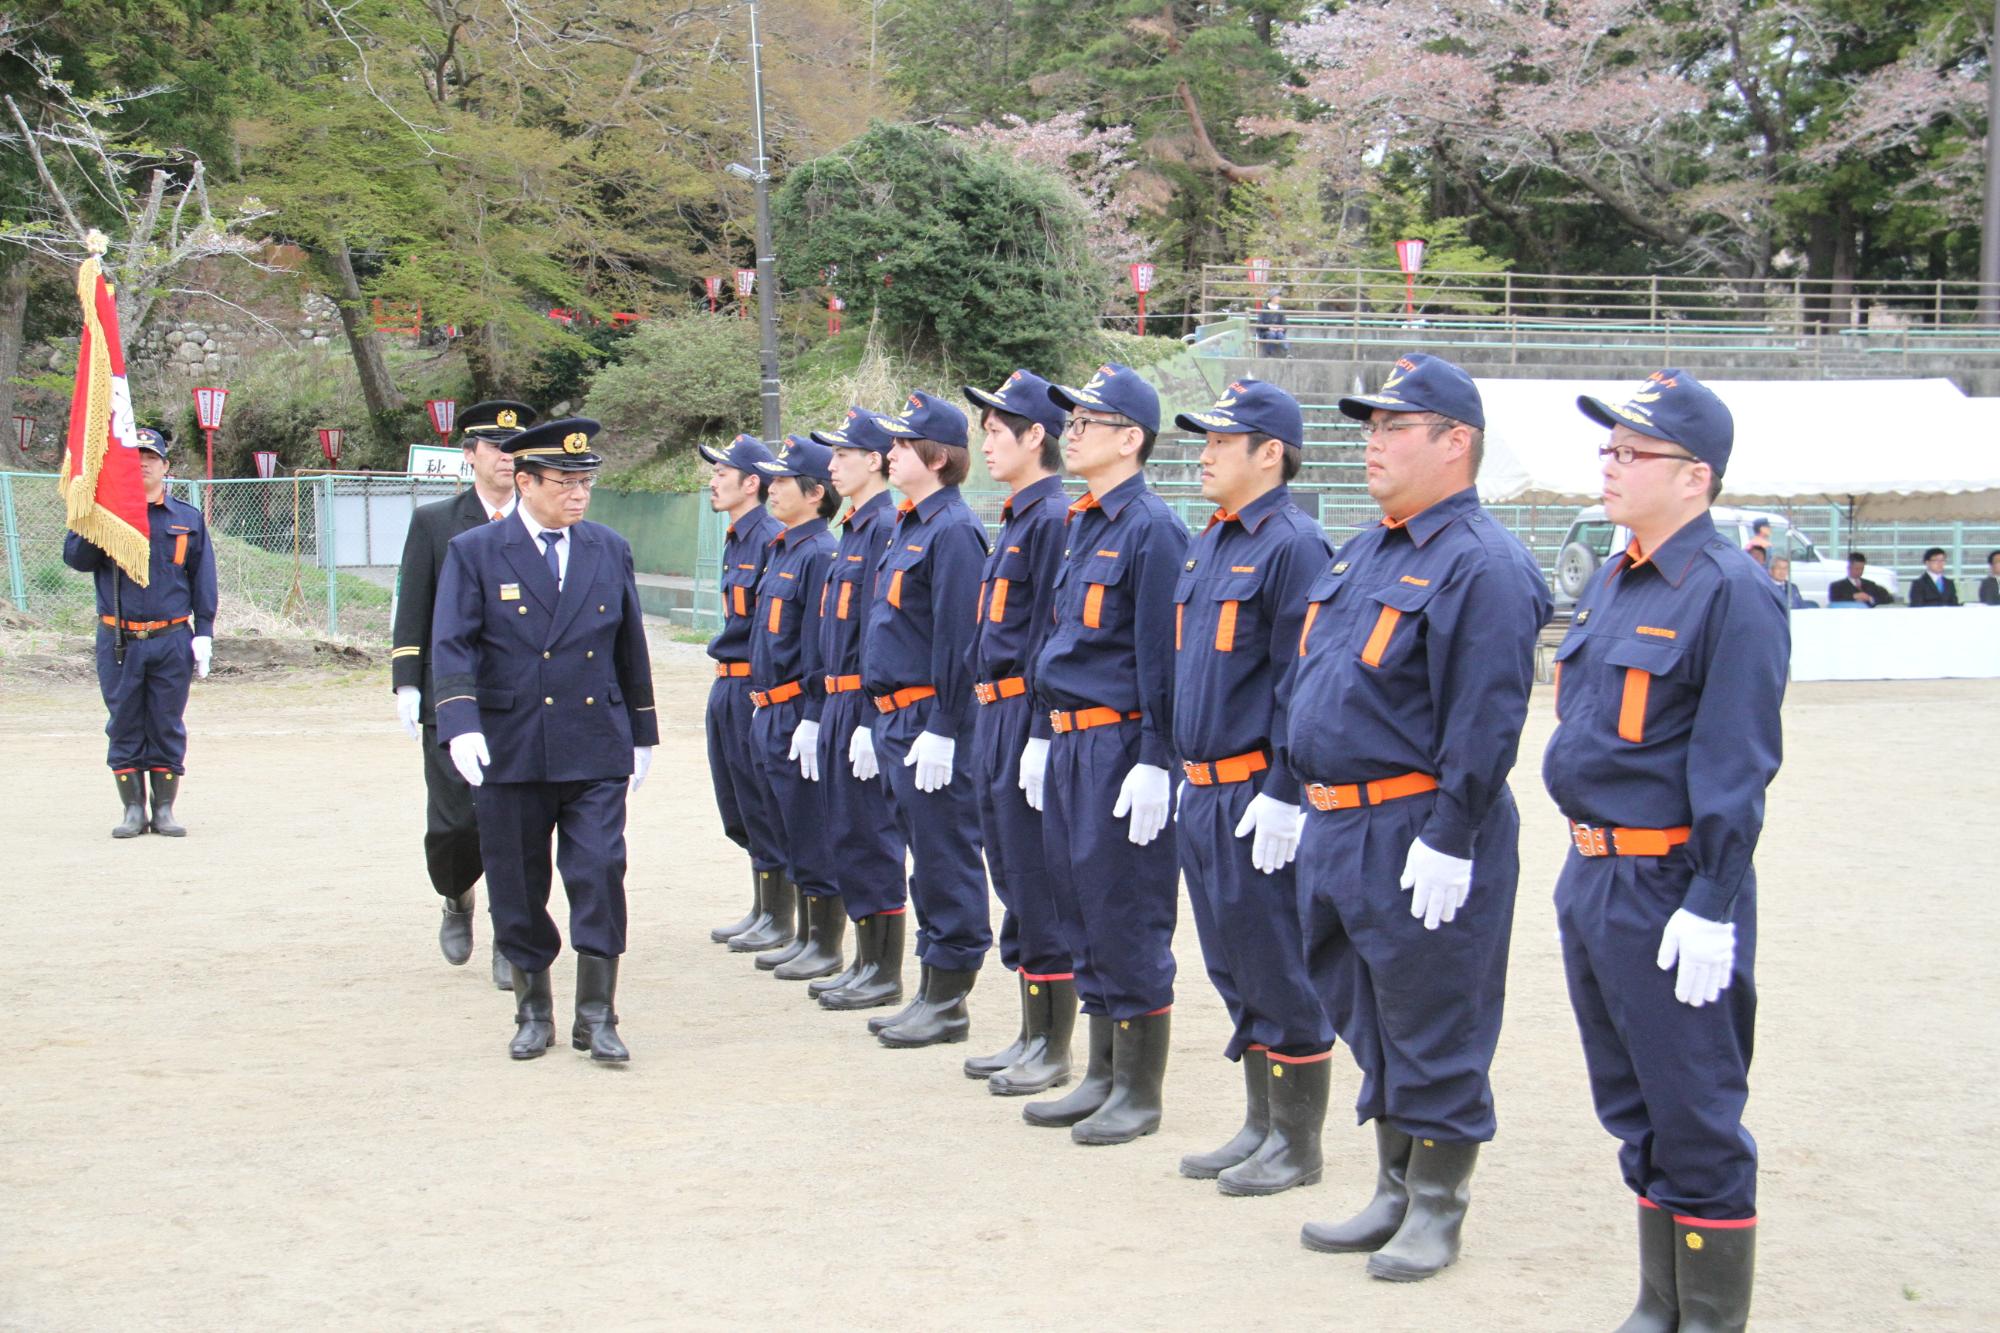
927,417
494,419
1025,394
1674,406
1420,382
1114,388
1250,405
861,430
562,445
801,456
744,453
153,439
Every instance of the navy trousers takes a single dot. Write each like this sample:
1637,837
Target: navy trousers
868,848
1419,1008
451,830
1251,937
742,795
587,820
1031,941
147,698
1115,902
1669,1080
797,807
947,876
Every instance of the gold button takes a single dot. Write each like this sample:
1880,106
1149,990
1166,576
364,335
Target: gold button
1124,1024
1277,1071
548,701
545,657
588,700
600,608
1033,989
1694,1240
1430,1143
523,610
591,653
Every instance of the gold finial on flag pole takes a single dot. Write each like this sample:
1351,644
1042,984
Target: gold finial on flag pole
96,242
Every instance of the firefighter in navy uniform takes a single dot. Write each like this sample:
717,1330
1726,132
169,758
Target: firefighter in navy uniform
151,641
451,834
1237,611
545,703
1405,706
1668,689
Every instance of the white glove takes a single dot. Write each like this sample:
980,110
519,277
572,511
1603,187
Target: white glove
1439,883
805,748
932,757
642,764
204,646
1706,951
861,755
409,704
1034,770
469,756
1277,827
1144,794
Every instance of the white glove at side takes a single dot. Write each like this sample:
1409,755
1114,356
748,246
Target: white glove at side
1034,770
1277,828
805,749
1146,796
409,706
932,757
861,755
642,764
469,756
204,648
1439,883
1706,951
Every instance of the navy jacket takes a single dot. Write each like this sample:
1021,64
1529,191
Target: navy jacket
744,550
182,570
850,584
920,620
1017,589
784,644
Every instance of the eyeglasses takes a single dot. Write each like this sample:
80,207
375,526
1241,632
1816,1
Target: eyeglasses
1626,455
573,484
1078,425
1375,428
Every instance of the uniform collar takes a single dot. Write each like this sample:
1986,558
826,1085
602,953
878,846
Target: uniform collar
812,527
479,504
535,530
1115,499
1429,522
1252,515
750,522
927,508
1677,553
1034,493
866,512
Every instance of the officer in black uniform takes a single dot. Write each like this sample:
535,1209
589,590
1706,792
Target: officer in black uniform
451,838
150,642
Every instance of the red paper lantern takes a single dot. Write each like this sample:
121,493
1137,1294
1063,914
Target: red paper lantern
331,438
444,412
267,462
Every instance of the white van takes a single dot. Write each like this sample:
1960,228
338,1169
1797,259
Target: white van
1592,539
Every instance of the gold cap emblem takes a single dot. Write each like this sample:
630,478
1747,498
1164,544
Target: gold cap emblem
508,418
576,442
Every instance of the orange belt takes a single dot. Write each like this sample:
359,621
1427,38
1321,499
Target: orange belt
732,668
842,684
791,689
993,691
1236,768
1603,840
903,698
1353,795
1083,719
145,629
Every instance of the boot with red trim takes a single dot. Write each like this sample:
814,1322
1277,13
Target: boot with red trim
1044,1062
1138,1074
132,792
1089,1094
1289,1156
1714,1265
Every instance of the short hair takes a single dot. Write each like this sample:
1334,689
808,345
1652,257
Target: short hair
829,499
1757,553
1714,482
1293,456
1856,558
1146,441
1935,550
1018,425
1991,556
1760,525
1441,424
957,459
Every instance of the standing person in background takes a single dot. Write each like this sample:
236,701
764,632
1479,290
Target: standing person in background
1989,587
1932,587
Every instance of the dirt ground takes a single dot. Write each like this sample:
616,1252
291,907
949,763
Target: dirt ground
249,1094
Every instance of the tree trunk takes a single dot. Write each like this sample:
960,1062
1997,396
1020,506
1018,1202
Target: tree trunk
1819,269
384,399
13,325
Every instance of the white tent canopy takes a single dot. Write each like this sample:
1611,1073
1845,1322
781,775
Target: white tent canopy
1889,449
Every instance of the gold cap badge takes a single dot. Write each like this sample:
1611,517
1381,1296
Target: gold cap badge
576,442
508,418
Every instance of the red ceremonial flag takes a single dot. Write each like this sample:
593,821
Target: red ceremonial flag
100,482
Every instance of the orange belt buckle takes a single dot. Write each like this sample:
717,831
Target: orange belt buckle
903,698
1597,840
1352,795
777,694
1083,719
1236,768
992,692
1589,840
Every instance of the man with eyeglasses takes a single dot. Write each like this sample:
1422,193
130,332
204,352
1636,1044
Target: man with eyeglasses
1106,674
1668,688
1402,715
545,704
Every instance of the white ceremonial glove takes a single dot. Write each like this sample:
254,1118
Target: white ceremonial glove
1706,951
1034,770
469,756
1277,827
409,705
805,748
861,755
1439,883
1145,794
932,757
642,764
204,647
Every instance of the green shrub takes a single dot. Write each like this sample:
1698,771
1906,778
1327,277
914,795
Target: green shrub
677,382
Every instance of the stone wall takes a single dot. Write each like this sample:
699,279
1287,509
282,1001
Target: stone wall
211,340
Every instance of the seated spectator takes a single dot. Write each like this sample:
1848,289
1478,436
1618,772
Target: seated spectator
1989,587
1761,554
1932,588
1781,574
1272,339
1856,589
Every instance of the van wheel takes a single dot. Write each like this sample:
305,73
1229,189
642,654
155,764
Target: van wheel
1573,569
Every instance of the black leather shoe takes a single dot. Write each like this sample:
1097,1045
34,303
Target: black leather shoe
723,934
1369,1230
986,1066
792,948
1289,1156
1659,1307
774,927
131,791
1044,1061
1089,1094
1440,1184
534,1014
1714,1267
940,1015
596,1026
455,931
1138,1072
166,786
826,923
1256,1123
879,979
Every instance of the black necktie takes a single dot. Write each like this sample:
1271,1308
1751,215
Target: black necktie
549,540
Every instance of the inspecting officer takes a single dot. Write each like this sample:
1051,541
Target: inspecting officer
1106,673
1237,611
743,798
1406,703
545,702
1668,688
1023,431
451,837
151,641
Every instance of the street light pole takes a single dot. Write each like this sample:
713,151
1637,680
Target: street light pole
1989,236
767,276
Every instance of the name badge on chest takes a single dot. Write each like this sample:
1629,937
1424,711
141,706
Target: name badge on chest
510,592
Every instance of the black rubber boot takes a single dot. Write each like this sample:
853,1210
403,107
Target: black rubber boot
131,791
455,931
940,1017
1289,1156
596,1026
1440,1183
986,1066
503,971
827,919
1713,1270
723,934
1370,1229
166,786
773,927
1659,1309
801,934
875,1025
865,938
880,979
1256,1123
1138,1070
534,1014
1089,1094
1044,1062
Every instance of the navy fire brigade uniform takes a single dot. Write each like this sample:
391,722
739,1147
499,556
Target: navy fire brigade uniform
1668,690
